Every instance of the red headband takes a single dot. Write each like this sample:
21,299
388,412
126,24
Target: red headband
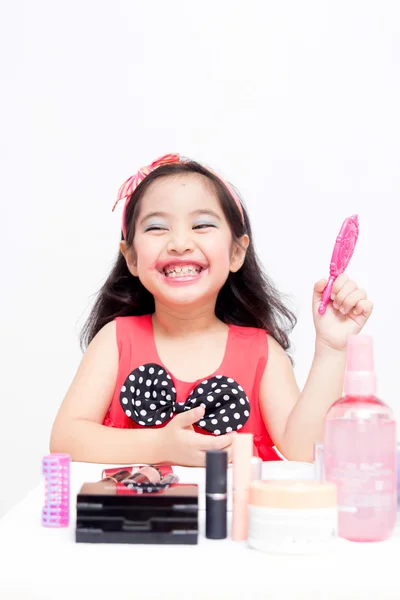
127,188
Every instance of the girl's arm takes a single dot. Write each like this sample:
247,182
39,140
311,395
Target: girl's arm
295,420
78,428
79,432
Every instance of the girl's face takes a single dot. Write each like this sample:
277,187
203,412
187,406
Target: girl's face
183,249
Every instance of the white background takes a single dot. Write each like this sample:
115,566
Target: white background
295,102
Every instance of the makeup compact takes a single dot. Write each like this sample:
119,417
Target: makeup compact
292,517
109,512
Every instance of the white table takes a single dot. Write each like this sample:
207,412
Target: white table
46,564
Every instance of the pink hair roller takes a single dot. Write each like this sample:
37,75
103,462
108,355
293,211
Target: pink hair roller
342,253
56,472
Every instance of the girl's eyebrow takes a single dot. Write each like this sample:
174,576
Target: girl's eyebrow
205,211
153,214
194,213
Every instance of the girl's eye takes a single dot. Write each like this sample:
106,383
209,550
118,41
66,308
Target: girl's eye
155,228
203,226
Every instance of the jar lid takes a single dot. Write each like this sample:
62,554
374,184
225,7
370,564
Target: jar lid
293,494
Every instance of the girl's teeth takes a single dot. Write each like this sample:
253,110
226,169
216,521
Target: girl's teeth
185,270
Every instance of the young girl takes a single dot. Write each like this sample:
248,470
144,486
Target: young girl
187,340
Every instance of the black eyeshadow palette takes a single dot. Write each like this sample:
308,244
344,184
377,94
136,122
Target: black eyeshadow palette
109,513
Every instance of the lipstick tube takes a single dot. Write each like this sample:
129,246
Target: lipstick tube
216,494
242,452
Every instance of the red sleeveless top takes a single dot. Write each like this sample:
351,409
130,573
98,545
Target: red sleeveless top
147,395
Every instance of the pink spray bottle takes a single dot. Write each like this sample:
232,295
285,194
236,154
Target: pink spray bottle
360,451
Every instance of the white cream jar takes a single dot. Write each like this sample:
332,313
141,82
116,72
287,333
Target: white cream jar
292,517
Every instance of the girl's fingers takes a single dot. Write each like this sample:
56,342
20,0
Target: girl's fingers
341,294
364,308
351,301
338,284
320,286
214,442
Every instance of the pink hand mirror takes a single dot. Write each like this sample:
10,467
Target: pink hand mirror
342,253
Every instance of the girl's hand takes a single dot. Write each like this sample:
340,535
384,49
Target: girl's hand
181,445
346,314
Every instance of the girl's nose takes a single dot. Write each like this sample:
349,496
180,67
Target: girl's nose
180,244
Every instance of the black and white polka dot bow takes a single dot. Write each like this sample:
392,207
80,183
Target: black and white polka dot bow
148,397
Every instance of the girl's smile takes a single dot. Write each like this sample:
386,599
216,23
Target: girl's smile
182,242
181,272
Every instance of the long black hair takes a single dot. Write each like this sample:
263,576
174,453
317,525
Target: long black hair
248,297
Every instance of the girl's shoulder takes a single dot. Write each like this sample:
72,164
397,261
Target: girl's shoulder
133,319
132,322
248,341
249,332
133,329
